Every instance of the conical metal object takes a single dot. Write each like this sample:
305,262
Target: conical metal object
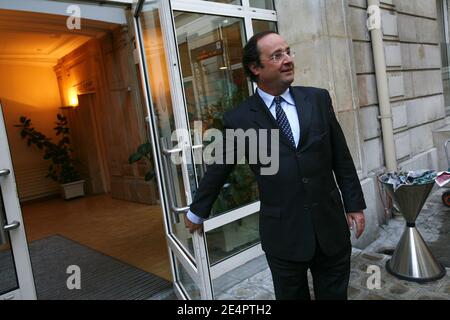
412,259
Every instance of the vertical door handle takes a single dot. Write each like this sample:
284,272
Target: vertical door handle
175,210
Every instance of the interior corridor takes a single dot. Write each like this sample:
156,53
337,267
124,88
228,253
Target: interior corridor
130,232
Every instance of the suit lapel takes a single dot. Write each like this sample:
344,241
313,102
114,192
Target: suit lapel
304,111
264,119
262,116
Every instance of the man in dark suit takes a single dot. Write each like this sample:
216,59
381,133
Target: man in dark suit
304,221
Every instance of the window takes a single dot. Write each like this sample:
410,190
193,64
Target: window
262,25
263,4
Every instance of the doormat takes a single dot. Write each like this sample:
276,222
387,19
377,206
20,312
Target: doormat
101,277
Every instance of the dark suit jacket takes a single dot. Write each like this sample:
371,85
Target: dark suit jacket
301,202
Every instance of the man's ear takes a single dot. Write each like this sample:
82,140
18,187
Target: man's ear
254,69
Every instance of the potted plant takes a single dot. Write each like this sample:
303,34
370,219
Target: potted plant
62,168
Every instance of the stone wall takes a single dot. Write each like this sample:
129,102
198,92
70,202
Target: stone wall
415,83
334,51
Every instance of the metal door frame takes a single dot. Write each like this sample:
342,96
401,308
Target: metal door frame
18,241
199,270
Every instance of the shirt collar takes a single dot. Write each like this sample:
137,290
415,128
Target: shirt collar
268,98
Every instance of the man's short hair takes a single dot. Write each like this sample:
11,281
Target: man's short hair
251,54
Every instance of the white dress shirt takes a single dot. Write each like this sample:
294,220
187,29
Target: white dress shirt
288,106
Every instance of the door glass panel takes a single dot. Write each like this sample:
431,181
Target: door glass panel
8,276
185,280
210,49
163,113
261,26
263,4
230,239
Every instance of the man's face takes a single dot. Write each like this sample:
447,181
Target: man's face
274,75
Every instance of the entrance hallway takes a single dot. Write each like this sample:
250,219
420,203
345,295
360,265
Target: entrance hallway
130,232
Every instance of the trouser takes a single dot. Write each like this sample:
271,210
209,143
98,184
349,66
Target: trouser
330,276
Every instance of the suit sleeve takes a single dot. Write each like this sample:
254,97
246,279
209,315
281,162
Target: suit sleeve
215,177
343,165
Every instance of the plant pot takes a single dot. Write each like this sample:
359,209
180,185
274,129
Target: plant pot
73,189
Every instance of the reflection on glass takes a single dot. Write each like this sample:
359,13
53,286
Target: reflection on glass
8,277
233,238
261,26
214,80
262,4
157,71
238,2
189,286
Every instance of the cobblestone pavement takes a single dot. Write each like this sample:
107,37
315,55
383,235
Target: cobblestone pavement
434,225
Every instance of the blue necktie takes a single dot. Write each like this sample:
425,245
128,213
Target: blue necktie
282,120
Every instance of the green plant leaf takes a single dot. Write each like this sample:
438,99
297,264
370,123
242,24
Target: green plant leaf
62,169
150,175
134,158
145,148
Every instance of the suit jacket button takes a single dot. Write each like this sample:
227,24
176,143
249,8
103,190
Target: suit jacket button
305,180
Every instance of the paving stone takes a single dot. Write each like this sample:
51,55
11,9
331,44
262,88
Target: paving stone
353,292
430,297
398,289
372,256
265,296
373,296
355,275
446,289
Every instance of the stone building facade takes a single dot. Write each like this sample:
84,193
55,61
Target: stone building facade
334,51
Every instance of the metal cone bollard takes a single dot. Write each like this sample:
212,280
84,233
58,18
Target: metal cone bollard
412,259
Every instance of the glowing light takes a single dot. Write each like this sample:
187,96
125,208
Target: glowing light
73,97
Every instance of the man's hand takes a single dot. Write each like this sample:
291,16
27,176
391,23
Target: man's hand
192,226
358,219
